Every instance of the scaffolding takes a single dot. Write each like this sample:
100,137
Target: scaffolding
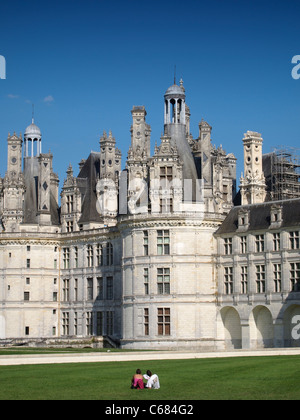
285,173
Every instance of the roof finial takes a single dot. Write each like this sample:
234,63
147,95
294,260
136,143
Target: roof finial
32,114
175,74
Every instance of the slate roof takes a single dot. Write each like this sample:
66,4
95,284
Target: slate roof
87,180
260,216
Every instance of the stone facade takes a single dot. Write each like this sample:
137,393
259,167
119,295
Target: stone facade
157,255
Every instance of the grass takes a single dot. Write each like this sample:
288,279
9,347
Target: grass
241,378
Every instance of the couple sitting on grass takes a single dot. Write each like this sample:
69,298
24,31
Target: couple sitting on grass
137,381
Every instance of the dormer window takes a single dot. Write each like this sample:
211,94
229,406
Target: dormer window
276,216
243,220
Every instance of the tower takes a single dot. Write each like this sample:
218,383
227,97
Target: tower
175,128
140,132
253,184
110,165
13,185
32,135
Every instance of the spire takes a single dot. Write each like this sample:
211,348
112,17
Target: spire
32,120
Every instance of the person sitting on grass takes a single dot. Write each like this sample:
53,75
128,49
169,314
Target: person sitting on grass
137,380
152,380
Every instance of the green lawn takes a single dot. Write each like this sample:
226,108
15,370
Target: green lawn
275,377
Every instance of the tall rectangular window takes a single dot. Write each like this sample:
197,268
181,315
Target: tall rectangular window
295,277
89,323
109,254
99,255
277,277
109,323
66,290
100,320
244,279
100,288
260,243
66,258
75,256
146,321
65,323
260,279
163,321
146,280
228,280
163,281
70,203
243,244
146,242
163,242
228,246
76,290
90,256
109,288
294,240
90,289
75,323
276,241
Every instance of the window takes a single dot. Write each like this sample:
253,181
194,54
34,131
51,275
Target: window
163,242
276,241
28,263
260,279
109,323
90,289
260,243
99,255
100,288
76,290
27,280
70,226
90,256
146,321
163,281
166,176
294,240
164,321
65,323
146,243
66,258
244,279
76,256
243,244
109,254
295,277
166,205
28,248
277,277
89,323
70,203
146,280
228,246
100,320
26,330
109,288
66,289
26,296
228,280
75,323
54,296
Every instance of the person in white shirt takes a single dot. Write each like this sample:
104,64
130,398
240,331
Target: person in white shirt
152,380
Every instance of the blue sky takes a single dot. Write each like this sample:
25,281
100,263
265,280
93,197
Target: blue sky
85,64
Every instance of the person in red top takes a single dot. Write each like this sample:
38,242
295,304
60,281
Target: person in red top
137,380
